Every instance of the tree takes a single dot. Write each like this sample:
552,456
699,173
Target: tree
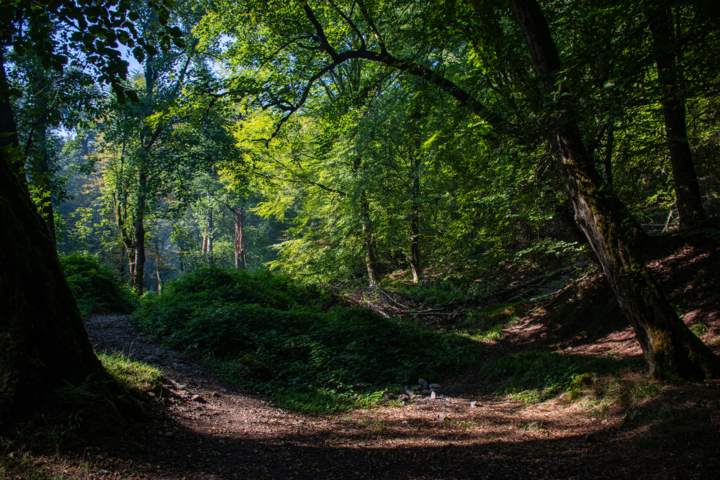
44,342
320,38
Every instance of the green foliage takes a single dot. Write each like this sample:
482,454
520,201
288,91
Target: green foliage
319,360
96,288
133,375
538,376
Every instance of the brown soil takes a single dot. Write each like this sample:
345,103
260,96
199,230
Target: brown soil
237,434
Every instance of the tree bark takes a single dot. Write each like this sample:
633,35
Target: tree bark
687,189
669,347
43,343
140,234
239,239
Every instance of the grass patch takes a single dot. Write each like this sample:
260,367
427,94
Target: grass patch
96,288
492,319
539,376
244,324
134,375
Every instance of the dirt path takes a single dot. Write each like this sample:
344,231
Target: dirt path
226,433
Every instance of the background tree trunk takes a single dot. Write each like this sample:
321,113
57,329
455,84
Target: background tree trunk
368,241
211,228
239,239
47,206
140,234
607,158
43,343
669,347
415,212
687,189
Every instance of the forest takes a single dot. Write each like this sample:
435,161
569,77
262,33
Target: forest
359,239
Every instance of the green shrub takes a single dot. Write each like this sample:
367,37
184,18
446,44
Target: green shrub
96,288
310,359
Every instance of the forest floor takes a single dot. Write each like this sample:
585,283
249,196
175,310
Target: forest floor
203,427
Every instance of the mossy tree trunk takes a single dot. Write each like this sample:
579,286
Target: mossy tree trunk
43,341
669,347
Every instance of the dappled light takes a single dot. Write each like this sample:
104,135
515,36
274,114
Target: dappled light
243,239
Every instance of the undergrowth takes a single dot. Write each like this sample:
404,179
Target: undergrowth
539,376
95,286
75,412
264,332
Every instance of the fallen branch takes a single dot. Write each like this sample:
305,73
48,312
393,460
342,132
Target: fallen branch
391,299
379,311
530,283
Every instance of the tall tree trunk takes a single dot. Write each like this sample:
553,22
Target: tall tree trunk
368,241
669,347
140,234
607,158
415,232
47,206
9,139
687,189
43,343
211,228
239,239
415,215
157,267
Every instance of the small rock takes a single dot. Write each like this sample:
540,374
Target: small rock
423,383
388,395
442,417
198,398
408,391
432,395
435,386
473,404
403,398
216,395
416,388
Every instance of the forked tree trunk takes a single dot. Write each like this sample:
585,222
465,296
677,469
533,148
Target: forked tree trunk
140,234
239,239
43,343
669,347
687,189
